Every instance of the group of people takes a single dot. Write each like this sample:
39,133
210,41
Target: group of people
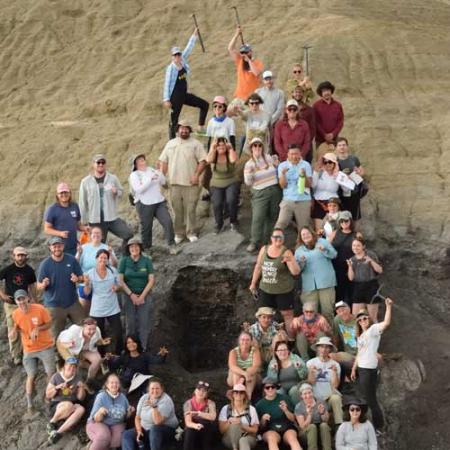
285,377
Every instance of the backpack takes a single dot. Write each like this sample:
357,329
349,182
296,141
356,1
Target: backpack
246,414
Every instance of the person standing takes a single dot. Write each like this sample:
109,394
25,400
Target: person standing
183,160
299,80
248,68
329,114
220,125
99,197
175,93
146,185
290,130
18,275
58,275
63,219
273,97
307,114
33,321
295,178
136,277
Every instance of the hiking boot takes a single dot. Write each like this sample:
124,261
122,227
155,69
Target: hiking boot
179,238
173,250
192,238
54,437
233,227
51,427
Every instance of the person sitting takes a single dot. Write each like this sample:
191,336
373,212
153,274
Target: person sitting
289,371
324,375
276,417
263,331
238,421
344,332
65,391
81,342
109,413
307,328
199,419
244,363
356,432
314,256
330,221
155,420
133,360
312,417
275,270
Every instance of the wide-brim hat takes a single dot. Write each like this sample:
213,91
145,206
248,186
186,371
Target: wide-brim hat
184,123
133,159
264,311
134,240
324,340
330,157
138,380
355,401
362,313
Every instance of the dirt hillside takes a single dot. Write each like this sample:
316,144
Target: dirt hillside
83,76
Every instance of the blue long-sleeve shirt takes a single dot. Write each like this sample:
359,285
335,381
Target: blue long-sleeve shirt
117,408
317,269
172,71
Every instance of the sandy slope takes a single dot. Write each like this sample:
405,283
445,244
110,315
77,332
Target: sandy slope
98,66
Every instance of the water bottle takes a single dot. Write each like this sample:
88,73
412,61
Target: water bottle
301,182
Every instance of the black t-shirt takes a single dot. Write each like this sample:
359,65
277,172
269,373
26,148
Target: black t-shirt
181,83
101,187
17,278
342,242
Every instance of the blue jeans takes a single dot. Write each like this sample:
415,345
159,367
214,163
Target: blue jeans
156,436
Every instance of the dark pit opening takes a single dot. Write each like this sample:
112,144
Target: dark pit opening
208,303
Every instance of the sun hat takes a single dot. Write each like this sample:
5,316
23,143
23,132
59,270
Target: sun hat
138,380
220,99
184,123
362,313
330,156
134,240
345,215
324,340
239,388
264,311
305,387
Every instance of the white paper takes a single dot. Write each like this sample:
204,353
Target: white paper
344,181
356,178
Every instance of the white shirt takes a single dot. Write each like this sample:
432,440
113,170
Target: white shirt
322,388
225,128
146,186
325,186
75,333
244,420
368,344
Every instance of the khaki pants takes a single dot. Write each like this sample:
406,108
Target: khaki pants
289,209
335,403
15,345
60,315
312,436
324,298
184,203
234,438
303,346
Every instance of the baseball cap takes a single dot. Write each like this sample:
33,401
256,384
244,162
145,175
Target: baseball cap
267,74
55,240
292,102
175,51
98,157
20,293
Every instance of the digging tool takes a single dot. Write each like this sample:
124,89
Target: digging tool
306,48
238,22
198,31
378,295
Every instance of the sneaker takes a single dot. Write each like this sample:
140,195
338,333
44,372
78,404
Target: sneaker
192,238
179,239
54,437
251,247
51,427
233,227
17,361
173,250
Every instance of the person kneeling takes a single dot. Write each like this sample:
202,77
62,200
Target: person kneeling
65,392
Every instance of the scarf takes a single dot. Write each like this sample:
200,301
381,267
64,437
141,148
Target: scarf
198,406
219,119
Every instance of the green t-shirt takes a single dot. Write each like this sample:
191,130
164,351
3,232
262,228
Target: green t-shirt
272,407
135,273
347,334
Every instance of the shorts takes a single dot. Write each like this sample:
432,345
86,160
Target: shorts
30,361
280,302
53,405
82,295
364,291
317,211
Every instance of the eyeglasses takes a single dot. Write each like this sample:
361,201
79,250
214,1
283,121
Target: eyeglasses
309,312
355,409
293,109
257,145
269,387
277,236
363,318
101,162
203,384
282,350
239,392
268,78
243,53
344,220
64,193
296,71
326,161
253,103
23,255
218,106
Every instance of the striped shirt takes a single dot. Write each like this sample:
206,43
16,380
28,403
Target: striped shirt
260,174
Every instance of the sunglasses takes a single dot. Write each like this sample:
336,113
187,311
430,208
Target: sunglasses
101,162
218,106
282,350
253,103
243,53
355,408
309,312
292,109
326,161
239,392
297,71
277,236
344,220
203,384
269,387
363,318
257,145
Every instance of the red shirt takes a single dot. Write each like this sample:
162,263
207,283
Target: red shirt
308,115
329,119
285,135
